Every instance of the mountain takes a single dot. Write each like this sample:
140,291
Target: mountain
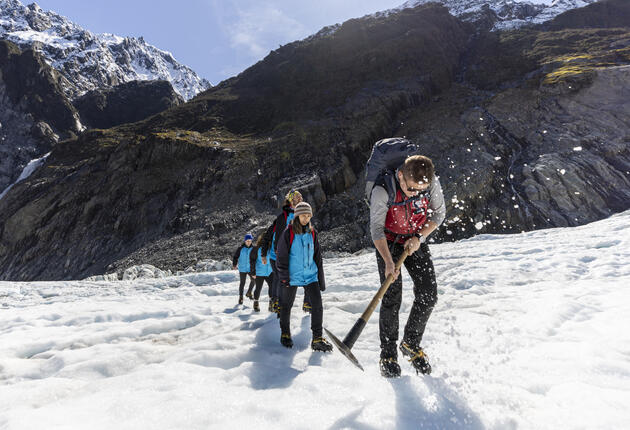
92,61
528,129
34,110
504,14
35,113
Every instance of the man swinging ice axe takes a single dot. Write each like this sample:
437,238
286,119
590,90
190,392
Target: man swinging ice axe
406,206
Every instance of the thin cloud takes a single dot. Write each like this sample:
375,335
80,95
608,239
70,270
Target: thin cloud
261,29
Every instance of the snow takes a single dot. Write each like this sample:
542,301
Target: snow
28,170
530,331
544,10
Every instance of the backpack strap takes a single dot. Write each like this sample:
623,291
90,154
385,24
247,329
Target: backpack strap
387,180
291,236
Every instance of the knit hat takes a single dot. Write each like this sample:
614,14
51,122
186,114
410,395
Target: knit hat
249,237
291,194
303,208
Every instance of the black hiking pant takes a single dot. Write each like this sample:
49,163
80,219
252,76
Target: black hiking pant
420,268
241,287
317,310
275,280
259,284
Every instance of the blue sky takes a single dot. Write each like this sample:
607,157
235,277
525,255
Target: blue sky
216,38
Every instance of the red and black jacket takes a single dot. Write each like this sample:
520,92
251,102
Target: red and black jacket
277,227
406,216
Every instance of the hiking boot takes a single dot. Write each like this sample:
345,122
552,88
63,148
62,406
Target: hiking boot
321,344
306,307
240,300
249,295
286,341
389,368
417,358
256,306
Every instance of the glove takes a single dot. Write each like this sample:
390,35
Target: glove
322,287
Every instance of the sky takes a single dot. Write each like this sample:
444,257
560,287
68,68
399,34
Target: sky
216,38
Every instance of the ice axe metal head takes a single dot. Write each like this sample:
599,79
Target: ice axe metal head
344,349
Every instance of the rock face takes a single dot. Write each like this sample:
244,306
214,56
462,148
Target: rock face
92,61
125,103
528,128
34,112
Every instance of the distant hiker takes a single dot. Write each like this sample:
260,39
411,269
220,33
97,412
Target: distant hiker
240,261
269,246
299,264
406,206
260,271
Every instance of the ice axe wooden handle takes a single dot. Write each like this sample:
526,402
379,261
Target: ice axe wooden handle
354,333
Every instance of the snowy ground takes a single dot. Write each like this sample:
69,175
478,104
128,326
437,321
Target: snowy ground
530,331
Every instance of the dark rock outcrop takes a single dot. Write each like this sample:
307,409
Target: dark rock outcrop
129,102
34,112
603,14
528,128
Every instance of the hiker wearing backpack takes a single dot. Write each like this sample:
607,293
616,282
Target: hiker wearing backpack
240,261
260,271
406,206
270,245
299,264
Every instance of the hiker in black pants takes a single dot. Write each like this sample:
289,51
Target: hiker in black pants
269,246
406,206
240,261
300,265
260,272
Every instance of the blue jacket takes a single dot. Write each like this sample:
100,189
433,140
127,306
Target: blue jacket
299,259
256,265
276,234
242,257
270,241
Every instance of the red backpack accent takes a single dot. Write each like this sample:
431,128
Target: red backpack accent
292,235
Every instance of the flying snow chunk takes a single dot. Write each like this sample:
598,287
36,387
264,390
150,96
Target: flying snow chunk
577,148
479,225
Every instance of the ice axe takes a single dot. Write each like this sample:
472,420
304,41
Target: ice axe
347,344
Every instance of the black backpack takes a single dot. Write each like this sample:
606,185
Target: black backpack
387,156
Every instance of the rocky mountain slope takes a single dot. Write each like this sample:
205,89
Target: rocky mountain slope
34,111
528,128
128,102
92,61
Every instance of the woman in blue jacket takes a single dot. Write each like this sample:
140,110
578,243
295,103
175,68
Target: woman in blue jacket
260,271
269,246
240,261
299,264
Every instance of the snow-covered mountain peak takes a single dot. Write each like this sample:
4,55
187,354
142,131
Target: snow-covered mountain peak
510,13
91,61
